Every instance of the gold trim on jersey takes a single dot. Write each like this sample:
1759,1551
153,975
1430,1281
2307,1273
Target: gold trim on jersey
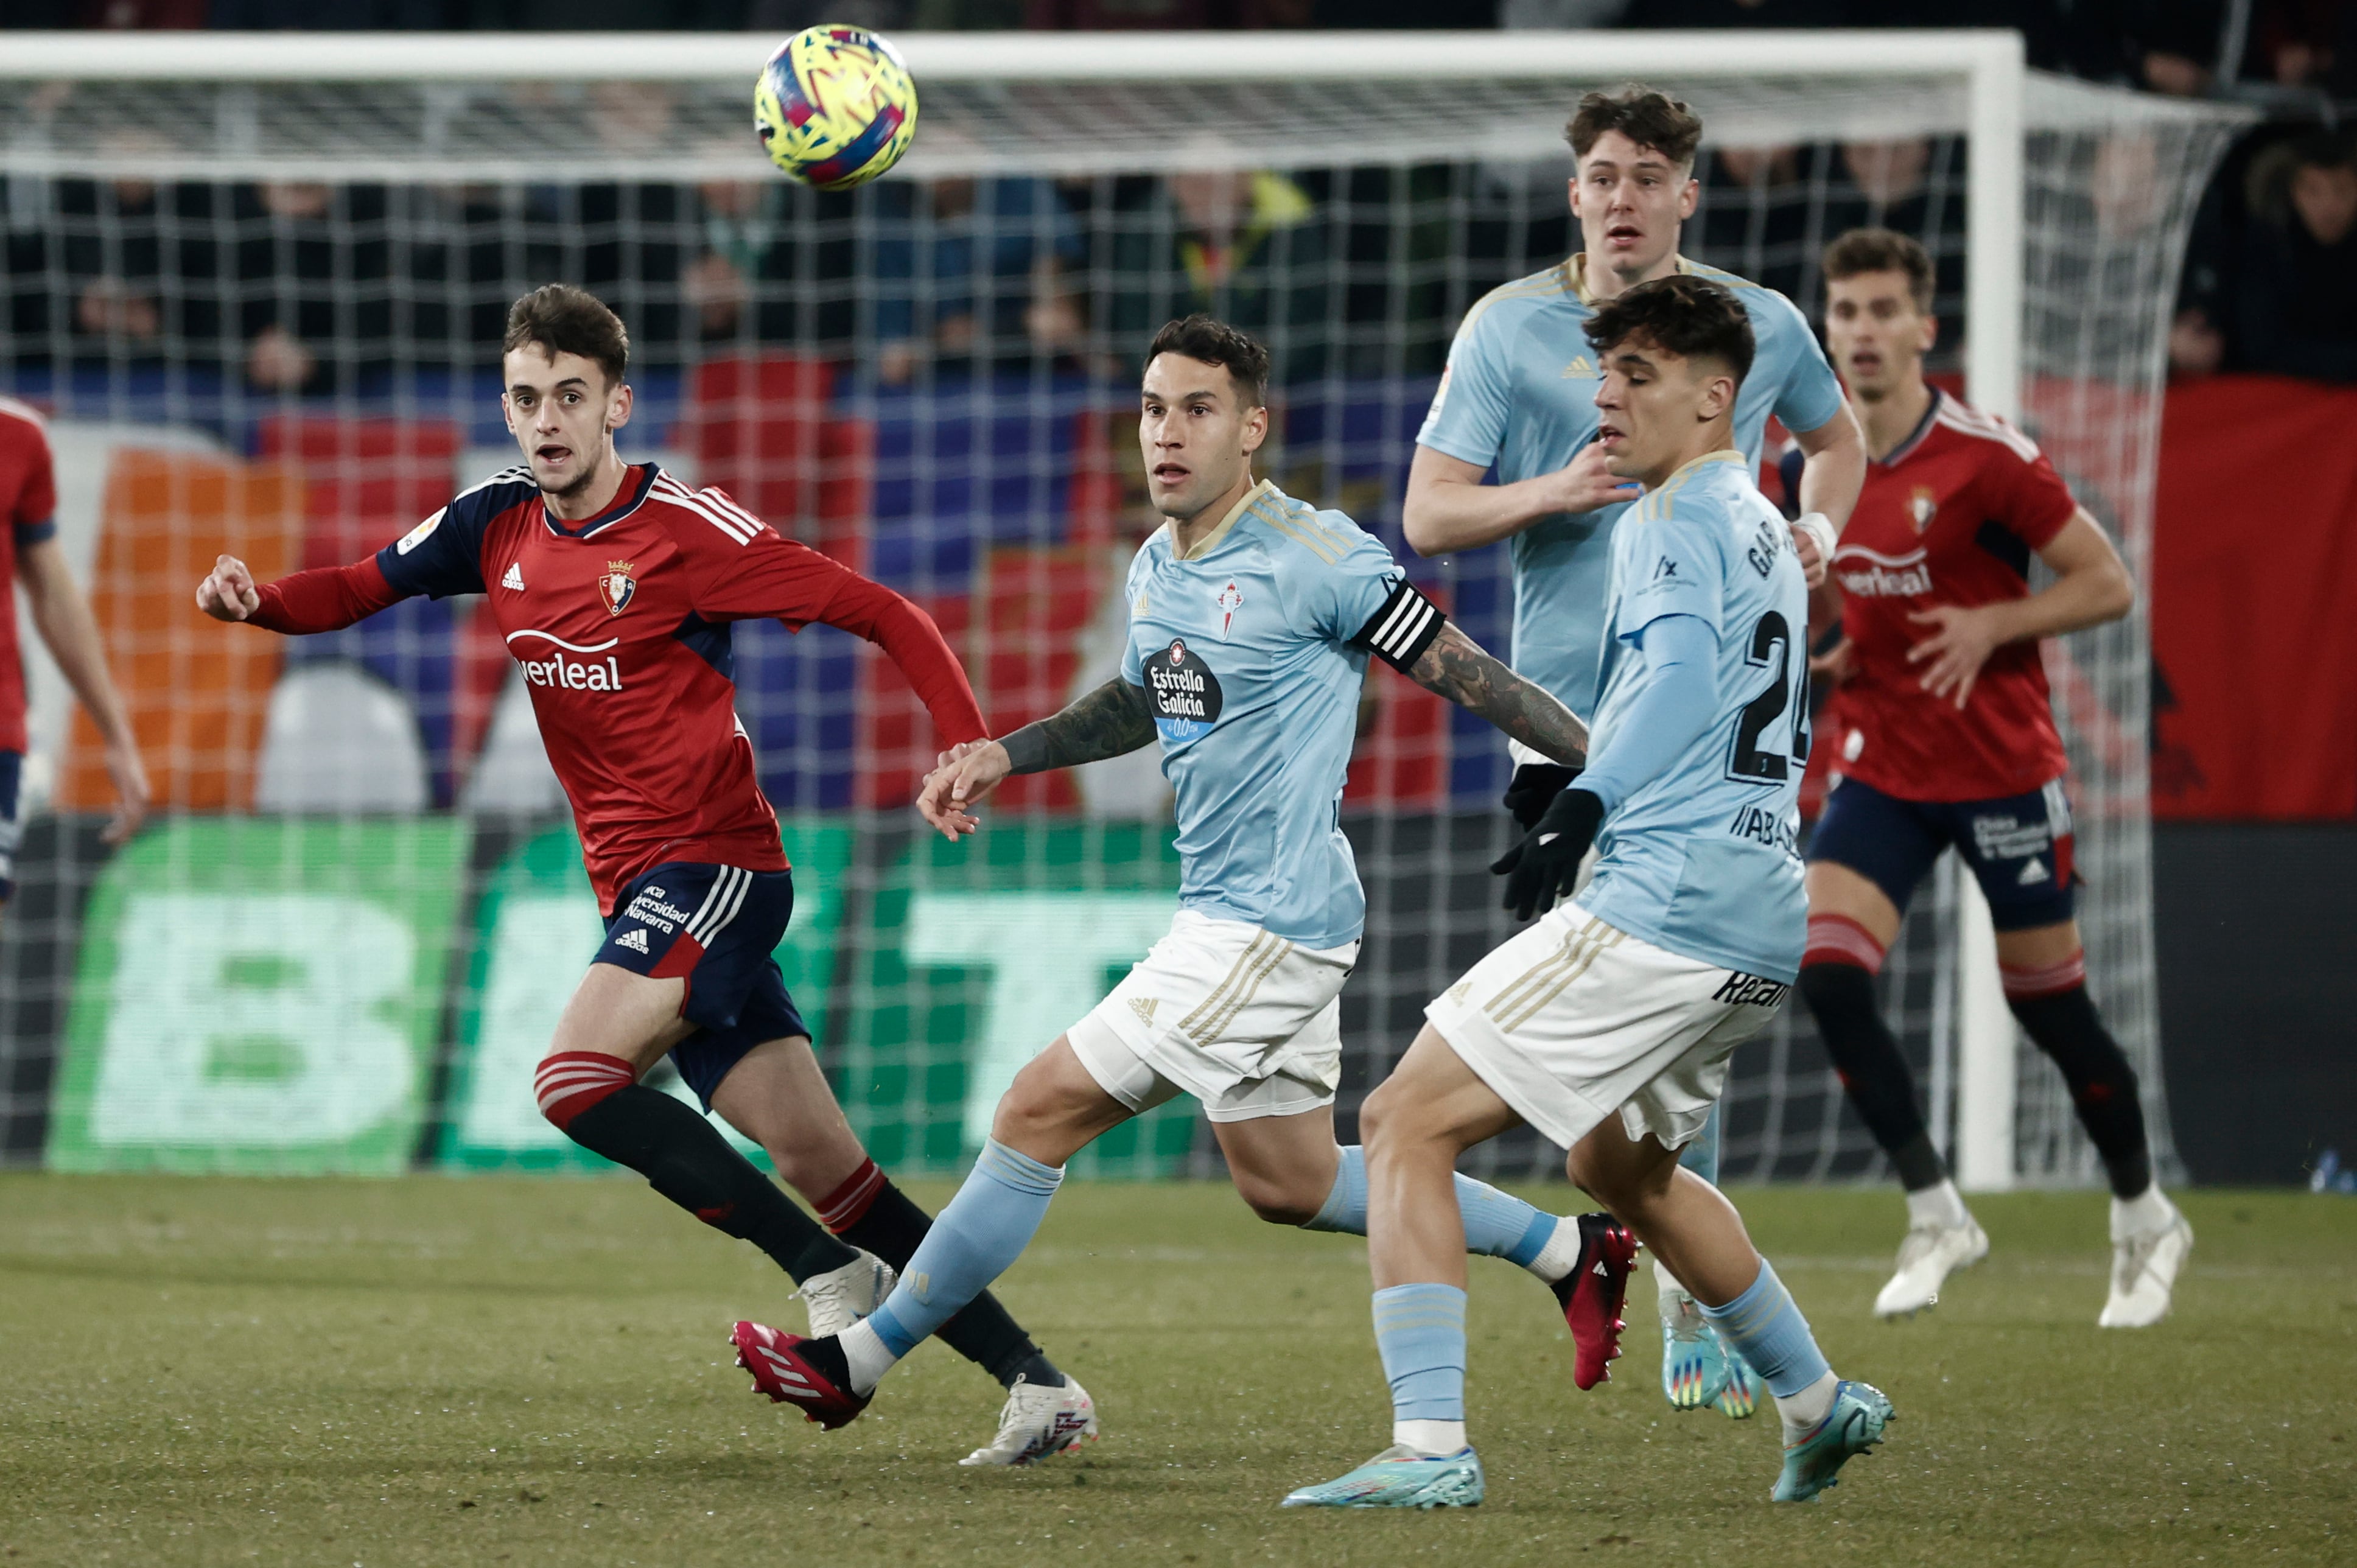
1656,502
1211,541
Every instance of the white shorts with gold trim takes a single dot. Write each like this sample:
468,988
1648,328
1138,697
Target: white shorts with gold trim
1572,1019
1246,1022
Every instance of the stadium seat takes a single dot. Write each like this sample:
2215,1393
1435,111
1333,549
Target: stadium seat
197,691
339,740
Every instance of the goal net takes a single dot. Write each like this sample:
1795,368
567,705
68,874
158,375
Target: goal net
261,313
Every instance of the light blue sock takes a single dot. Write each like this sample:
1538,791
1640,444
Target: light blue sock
1497,1225
1420,1331
1701,1157
1767,1330
974,1240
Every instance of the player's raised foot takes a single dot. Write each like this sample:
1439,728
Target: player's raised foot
1739,1400
2144,1274
1591,1296
1852,1426
1694,1365
1928,1255
1400,1477
840,1297
1038,1423
808,1374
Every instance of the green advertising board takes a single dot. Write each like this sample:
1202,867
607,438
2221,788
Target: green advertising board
979,954
259,994
536,928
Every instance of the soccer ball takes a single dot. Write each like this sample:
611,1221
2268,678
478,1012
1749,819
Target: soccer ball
835,107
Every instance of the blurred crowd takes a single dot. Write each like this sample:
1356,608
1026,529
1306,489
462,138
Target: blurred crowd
294,287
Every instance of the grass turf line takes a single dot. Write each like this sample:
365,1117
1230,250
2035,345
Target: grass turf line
440,1370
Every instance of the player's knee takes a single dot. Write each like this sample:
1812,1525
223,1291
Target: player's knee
1278,1200
1379,1115
569,1082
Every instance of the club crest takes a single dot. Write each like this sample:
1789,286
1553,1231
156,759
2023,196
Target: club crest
1922,506
1231,599
617,588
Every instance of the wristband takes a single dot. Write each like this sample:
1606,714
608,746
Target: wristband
1820,528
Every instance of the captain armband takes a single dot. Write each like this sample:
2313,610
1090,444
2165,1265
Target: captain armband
1399,631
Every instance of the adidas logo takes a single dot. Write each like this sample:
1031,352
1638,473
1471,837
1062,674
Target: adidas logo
635,939
1144,1008
514,579
1579,367
1460,991
2034,872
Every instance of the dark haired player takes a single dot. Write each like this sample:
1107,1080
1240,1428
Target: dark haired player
1252,617
615,586
1630,996
1943,735
1519,395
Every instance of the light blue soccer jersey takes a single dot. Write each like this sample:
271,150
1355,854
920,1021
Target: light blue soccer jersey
1520,392
1244,650
1702,860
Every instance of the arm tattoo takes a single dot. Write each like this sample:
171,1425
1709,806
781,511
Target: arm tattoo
1456,667
1109,722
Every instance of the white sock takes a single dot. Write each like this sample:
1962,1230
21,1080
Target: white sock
1558,1257
1674,1296
865,1349
1432,1438
1801,1412
2147,1211
1940,1204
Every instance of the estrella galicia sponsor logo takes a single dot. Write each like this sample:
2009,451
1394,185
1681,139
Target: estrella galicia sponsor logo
1184,691
586,673
1750,990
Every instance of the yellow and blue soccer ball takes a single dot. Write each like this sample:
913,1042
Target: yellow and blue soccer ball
835,107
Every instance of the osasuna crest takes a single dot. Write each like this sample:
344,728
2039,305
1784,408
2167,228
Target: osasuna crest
617,586
1231,599
1922,506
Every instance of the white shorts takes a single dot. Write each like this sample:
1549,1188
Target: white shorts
1572,1019
1246,1022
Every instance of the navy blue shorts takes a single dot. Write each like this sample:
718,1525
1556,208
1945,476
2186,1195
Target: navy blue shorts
717,927
12,820
2018,847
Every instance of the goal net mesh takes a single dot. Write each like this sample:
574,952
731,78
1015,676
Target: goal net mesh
263,318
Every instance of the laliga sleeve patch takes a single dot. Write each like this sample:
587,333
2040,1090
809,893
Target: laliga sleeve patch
1184,692
1399,631
421,533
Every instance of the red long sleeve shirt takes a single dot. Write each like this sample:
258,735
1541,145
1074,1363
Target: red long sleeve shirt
619,624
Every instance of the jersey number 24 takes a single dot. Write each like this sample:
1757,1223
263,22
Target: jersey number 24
1752,759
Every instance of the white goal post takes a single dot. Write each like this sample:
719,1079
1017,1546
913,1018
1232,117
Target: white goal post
2076,201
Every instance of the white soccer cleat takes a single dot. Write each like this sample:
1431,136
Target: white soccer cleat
1926,1258
1038,1421
840,1297
2144,1274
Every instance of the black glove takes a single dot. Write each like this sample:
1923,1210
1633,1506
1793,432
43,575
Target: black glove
1532,787
1543,865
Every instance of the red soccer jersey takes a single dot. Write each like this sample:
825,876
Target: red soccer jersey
1951,517
620,626
28,503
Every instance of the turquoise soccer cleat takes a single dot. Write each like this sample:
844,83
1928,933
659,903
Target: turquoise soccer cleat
1696,1367
1852,1428
1400,1477
1740,1398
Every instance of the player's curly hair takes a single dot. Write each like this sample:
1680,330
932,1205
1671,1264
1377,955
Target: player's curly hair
1883,251
564,319
1214,341
1647,117
1686,315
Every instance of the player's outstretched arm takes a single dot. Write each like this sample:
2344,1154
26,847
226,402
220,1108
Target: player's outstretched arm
2091,585
61,615
1111,721
1456,667
327,599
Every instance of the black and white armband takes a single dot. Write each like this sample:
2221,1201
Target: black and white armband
1399,631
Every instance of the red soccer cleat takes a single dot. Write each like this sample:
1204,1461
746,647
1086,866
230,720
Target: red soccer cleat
783,1370
1591,1296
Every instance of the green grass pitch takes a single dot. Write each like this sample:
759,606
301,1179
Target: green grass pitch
442,1370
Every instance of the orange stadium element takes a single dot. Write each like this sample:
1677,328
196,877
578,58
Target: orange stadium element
197,691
